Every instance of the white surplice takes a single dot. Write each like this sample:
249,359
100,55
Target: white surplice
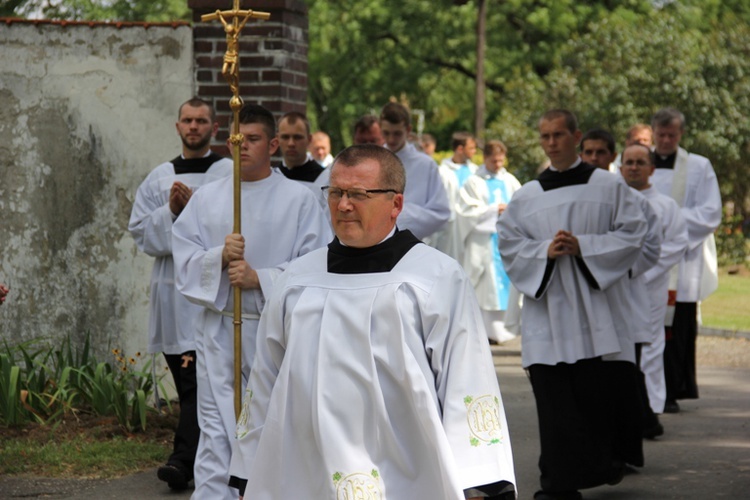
701,209
172,317
377,385
632,307
426,207
453,175
673,247
281,220
565,319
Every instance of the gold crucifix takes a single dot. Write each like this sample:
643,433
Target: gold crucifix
231,72
232,26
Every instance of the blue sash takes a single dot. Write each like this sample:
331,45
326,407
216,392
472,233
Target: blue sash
499,194
462,173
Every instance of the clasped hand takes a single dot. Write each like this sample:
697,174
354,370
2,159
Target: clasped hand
233,259
564,243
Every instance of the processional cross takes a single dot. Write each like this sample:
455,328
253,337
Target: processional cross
234,20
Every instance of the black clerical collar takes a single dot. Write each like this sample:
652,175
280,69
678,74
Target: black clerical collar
665,161
551,179
380,258
308,171
194,165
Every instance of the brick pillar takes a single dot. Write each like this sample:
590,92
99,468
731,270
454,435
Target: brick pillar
273,58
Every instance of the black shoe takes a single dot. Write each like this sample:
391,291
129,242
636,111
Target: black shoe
654,431
558,495
618,472
671,407
174,476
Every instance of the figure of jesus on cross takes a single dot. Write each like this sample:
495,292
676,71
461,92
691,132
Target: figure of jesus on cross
232,26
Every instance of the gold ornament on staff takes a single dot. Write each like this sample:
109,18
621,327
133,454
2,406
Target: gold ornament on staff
231,72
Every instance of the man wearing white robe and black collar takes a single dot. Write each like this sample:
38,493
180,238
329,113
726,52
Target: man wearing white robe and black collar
299,165
568,241
373,377
690,180
159,201
281,220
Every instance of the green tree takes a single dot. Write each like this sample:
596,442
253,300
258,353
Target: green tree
92,10
424,53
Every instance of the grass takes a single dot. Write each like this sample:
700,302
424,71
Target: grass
79,458
729,306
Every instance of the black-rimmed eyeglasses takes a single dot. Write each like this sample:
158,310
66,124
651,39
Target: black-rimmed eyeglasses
354,194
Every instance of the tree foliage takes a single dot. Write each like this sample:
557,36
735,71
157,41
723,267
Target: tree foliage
422,52
102,10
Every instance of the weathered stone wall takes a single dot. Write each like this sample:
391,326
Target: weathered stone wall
86,111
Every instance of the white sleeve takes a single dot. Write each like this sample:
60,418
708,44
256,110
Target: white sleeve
151,221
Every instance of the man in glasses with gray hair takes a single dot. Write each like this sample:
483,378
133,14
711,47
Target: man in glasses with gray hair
372,372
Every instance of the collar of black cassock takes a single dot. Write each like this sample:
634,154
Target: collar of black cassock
665,161
550,179
380,258
194,165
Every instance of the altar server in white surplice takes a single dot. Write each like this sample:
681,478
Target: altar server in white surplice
690,180
454,172
426,207
373,377
568,240
637,168
482,200
281,220
159,201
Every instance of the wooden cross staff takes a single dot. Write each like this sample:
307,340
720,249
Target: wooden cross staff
231,72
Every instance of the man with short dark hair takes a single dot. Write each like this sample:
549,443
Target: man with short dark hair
159,201
690,180
454,172
281,220
298,165
598,149
428,144
426,207
367,131
568,241
372,376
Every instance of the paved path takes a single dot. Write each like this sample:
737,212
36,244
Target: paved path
705,452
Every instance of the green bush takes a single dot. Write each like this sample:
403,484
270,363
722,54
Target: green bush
731,244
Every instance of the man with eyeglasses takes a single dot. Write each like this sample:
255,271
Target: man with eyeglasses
637,168
373,374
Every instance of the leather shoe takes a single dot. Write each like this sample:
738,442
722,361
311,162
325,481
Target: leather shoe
174,476
654,431
671,407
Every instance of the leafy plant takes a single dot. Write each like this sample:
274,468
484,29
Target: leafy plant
9,391
731,245
43,383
